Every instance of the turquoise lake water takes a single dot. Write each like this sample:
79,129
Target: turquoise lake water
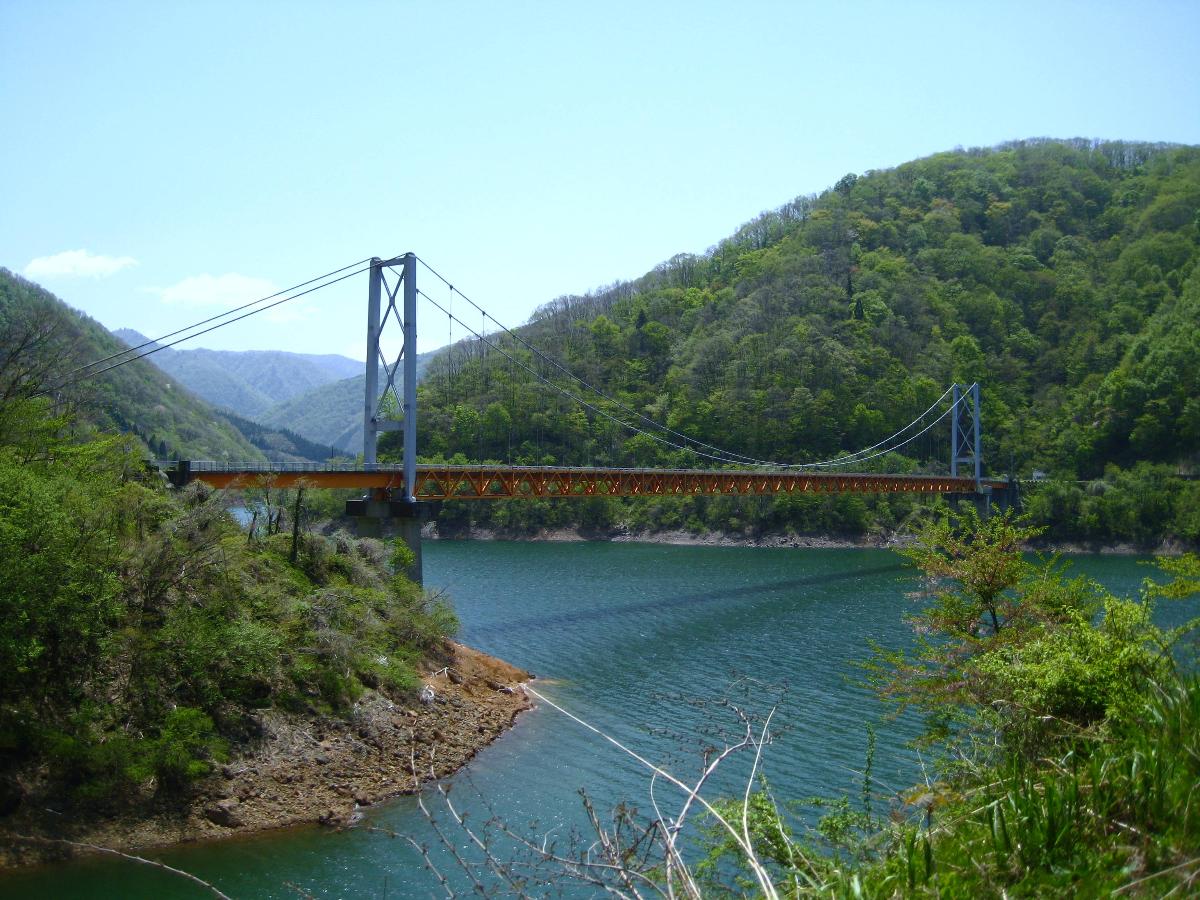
639,640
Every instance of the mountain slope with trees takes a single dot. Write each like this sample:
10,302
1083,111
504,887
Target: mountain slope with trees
331,414
280,444
1059,274
248,382
135,398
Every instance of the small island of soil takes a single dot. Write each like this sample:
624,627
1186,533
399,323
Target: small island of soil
304,769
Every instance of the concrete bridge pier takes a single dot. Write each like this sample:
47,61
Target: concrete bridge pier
403,517
981,500
1010,496
998,497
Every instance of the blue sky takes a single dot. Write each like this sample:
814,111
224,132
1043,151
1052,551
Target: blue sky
163,161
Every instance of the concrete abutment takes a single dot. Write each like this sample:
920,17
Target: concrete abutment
397,518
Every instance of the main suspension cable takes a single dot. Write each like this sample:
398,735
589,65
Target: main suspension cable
228,312
92,374
547,358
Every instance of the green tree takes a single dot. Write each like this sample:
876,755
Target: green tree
1006,648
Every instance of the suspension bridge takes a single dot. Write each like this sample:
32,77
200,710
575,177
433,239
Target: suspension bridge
405,493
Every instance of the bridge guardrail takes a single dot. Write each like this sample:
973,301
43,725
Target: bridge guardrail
256,468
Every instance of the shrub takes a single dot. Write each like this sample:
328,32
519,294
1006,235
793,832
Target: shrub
183,750
1013,650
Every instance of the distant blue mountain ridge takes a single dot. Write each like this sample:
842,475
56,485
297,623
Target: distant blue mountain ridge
318,396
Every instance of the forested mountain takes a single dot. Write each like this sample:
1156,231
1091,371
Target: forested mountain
278,443
134,398
313,398
251,381
1059,274
332,413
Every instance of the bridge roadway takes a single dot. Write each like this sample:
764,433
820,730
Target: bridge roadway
498,482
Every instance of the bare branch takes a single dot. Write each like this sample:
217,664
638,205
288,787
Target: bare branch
760,872
96,848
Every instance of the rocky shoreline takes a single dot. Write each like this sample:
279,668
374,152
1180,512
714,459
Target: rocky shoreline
677,537
683,538
303,770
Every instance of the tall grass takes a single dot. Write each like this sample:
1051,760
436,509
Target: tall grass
1119,814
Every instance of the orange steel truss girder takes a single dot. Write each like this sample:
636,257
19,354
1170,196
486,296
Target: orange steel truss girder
508,482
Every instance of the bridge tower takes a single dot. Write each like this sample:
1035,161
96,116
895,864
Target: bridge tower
406,317
964,432
965,446
405,513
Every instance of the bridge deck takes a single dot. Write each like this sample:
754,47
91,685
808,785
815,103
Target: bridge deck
444,482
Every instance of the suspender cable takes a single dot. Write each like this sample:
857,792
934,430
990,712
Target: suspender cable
654,437
719,453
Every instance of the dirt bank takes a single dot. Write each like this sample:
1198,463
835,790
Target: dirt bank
798,541
678,537
303,770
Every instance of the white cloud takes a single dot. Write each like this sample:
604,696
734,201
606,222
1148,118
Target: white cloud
77,264
228,290
288,312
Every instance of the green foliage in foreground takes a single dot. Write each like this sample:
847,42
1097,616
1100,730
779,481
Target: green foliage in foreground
1118,814
141,630
1070,741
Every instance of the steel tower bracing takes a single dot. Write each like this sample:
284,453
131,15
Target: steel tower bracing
405,316
964,433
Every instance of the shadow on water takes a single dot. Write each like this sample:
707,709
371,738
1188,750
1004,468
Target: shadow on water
593,614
